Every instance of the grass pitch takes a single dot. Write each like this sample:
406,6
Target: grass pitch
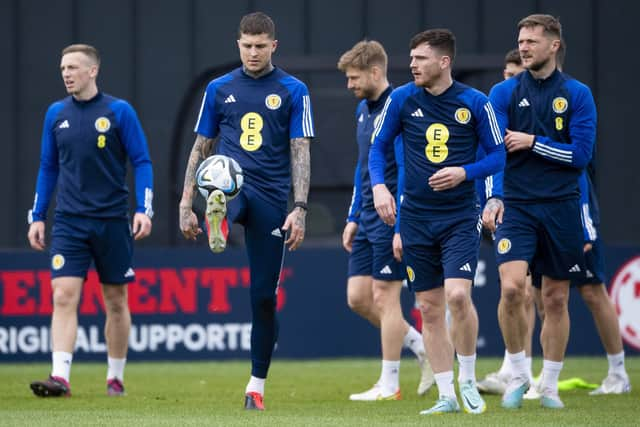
299,393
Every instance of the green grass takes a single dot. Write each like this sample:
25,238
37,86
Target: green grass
299,393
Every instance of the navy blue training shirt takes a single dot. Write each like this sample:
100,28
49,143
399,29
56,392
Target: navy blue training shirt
437,132
256,119
85,145
561,113
368,115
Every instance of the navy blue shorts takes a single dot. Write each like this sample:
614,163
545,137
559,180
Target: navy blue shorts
594,273
548,236
436,250
77,240
372,253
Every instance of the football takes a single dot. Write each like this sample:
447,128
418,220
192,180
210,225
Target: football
219,172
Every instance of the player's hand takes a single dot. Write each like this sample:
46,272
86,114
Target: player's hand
397,247
587,247
296,221
141,226
36,235
385,204
492,214
518,141
189,223
447,178
348,235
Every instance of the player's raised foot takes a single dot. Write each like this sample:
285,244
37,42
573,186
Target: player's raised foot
472,402
216,221
513,395
253,401
426,375
551,400
493,383
375,393
444,405
613,384
51,387
115,387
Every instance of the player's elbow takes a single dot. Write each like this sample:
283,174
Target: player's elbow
501,161
581,159
142,163
498,160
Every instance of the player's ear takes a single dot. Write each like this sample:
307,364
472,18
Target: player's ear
93,71
445,61
372,72
274,45
376,72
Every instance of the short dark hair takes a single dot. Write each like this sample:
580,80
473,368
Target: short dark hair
439,39
513,57
87,49
257,23
550,24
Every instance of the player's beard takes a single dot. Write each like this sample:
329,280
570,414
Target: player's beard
539,65
368,93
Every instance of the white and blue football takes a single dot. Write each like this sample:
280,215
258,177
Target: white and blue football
219,172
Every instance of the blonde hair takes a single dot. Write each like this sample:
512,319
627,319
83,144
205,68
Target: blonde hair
87,49
550,24
364,55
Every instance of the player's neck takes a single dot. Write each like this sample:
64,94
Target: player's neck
257,74
440,85
379,90
87,93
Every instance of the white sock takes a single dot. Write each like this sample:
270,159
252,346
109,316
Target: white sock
528,361
466,368
444,380
115,368
550,374
255,385
61,364
505,368
518,364
616,364
390,376
413,341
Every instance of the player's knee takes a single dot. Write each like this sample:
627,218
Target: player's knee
116,307
64,299
555,303
458,300
593,295
359,302
512,294
382,298
379,301
431,313
115,300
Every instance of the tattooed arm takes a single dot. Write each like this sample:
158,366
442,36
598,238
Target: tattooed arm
300,177
202,147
